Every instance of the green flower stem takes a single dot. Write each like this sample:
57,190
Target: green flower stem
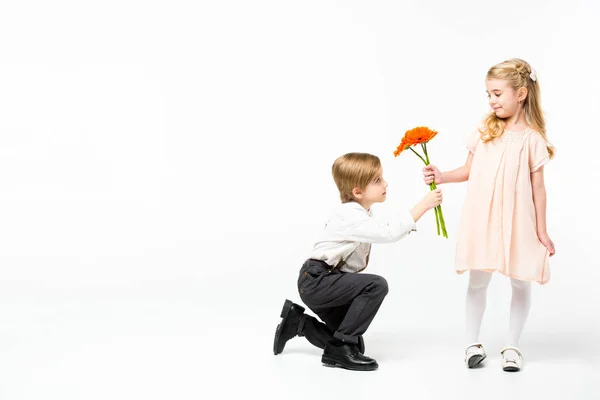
439,208
439,216
418,155
424,146
433,186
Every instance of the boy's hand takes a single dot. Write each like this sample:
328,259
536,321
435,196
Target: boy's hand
430,172
433,199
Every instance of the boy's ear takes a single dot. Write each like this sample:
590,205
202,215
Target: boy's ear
357,193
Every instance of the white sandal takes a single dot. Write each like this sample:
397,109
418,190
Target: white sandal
512,364
474,355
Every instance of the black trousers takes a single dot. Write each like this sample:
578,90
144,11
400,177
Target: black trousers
345,302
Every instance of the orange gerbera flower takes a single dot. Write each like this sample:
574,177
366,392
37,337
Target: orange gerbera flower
413,137
420,134
401,147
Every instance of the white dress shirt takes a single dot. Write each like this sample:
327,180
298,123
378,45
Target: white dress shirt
346,240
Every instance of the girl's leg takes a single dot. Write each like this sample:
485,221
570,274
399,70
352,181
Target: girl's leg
519,310
476,302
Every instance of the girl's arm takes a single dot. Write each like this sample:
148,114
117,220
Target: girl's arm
539,199
539,202
460,174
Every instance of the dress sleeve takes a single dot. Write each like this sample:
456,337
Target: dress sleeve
538,152
473,140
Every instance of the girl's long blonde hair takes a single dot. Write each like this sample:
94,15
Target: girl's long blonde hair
517,73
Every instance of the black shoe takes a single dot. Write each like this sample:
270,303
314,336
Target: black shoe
361,345
288,327
346,355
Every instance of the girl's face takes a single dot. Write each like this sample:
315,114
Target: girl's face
503,99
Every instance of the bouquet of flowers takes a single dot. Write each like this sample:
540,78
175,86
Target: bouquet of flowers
420,136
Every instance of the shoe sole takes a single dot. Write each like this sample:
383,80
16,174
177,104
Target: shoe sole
328,362
475,360
285,310
511,368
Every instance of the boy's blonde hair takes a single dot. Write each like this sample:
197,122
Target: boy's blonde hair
354,170
518,74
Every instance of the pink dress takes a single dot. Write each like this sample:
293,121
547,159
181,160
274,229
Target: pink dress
498,231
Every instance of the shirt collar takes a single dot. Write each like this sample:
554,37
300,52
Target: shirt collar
355,205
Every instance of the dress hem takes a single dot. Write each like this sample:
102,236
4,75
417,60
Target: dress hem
492,270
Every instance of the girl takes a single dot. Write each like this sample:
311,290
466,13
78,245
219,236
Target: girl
503,225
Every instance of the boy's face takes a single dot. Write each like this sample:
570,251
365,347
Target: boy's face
375,192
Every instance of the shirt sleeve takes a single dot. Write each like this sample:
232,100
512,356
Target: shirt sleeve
357,226
538,152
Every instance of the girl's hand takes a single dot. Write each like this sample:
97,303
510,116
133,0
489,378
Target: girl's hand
430,172
545,239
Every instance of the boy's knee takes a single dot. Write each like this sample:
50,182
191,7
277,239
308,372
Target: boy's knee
381,285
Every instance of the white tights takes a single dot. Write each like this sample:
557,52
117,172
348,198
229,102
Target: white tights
476,301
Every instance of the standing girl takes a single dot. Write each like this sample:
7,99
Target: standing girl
503,225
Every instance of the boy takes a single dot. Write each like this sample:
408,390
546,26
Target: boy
329,282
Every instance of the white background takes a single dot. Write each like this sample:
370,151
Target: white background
165,170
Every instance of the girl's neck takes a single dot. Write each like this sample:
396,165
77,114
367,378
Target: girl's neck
517,122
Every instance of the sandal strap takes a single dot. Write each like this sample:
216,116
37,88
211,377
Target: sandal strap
512,348
473,345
